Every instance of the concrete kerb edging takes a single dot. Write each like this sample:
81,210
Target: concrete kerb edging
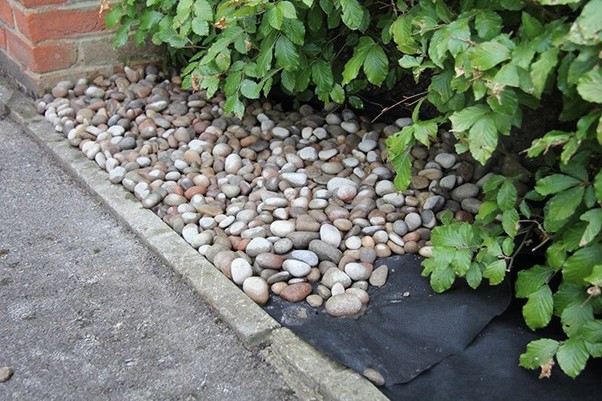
310,373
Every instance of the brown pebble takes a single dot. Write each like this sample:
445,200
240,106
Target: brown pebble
296,292
413,236
411,247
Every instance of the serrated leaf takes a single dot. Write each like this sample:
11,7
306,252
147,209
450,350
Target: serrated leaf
199,26
510,222
530,280
401,29
592,331
202,9
337,94
482,138
531,26
594,219
555,183
508,246
356,102
589,86
459,36
355,63
286,54
275,17
525,209
321,74
148,19
506,196
580,265
232,82
250,89
539,307
295,31
474,275
507,76
495,272
113,17
487,211
234,106
572,356
403,170
563,205
487,55
539,353
587,27
424,130
488,24
353,13
541,69
574,316
464,119
376,65
211,84
442,279
288,9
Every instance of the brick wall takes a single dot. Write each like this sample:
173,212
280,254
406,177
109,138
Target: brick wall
45,41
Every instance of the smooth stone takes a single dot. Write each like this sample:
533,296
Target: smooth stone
471,205
325,251
413,221
283,246
337,182
257,289
278,277
358,271
426,251
295,179
465,191
360,293
343,305
281,228
240,270
379,276
374,376
296,268
257,246
400,228
448,182
446,160
232,164
353,243
314,300
305,256
269,261
434,203
337,289
331,235
302,239
296,292
334,275
384,187
308,154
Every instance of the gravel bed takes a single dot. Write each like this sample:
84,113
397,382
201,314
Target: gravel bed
298,203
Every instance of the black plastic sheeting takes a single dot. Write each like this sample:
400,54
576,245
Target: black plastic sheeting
422,343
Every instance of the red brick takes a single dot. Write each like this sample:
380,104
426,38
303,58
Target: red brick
6,13
2,37
58,24
39,3
41,58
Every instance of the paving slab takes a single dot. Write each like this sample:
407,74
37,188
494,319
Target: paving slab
309,373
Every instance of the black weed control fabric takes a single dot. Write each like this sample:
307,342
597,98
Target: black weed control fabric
419,341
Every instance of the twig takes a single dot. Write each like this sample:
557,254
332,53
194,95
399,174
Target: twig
404,99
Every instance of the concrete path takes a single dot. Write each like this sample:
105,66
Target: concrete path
89,313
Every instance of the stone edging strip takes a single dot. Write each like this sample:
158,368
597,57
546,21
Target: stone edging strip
312,375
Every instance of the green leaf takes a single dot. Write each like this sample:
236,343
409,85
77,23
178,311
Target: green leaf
321,74
508,246
353,66
510,222
275,17
202,9
574,316
541,69
424,130
507,75
288,9
474,275
598,186
530,280
531,26
403,169
459,36
442,279
488,24
572,356
495,272
401,30
113,17
376,65
566,294
250,89
286,54
525,209
199,26
295,31
234,106
589,86
148,19
337,94
555,183
587,28
580,264
356,102
592,331
211,84
564,204
464,119
353,13
506,196
232,83
487,211
482,138
594,219
539,353
487,55
539,307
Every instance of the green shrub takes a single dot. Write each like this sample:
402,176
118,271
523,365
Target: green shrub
485,63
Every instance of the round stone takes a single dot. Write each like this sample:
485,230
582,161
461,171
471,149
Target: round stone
446,160
257,289
379,276
257,246
333,275
305,256
330,235
281,228
413,221
296,292
241,270
343,305
464,191
358,271
296,268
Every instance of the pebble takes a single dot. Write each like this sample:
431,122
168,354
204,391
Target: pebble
277,200
6,373
257,289
343,305
374,376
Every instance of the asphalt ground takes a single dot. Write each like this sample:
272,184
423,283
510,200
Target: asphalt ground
89,312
